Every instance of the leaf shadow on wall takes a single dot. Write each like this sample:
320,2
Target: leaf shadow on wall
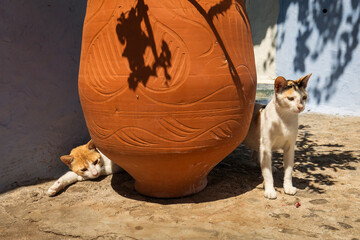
332,25
136,40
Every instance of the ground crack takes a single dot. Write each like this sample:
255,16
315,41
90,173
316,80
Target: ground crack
59,234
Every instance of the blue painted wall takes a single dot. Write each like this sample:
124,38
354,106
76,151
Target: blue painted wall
322,37
40,112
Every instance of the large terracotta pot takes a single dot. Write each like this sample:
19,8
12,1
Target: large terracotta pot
167,87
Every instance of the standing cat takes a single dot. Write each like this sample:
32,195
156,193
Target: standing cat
85,162
275,126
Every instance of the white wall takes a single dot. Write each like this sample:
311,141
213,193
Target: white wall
312,36
322,37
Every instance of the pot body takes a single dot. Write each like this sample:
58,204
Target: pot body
167,87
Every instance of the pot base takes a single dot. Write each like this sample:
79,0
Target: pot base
179,189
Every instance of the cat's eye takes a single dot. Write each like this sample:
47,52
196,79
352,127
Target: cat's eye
84,169
304,97
290,98
96,161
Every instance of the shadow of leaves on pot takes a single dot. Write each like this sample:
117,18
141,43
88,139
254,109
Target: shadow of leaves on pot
130,33
214,11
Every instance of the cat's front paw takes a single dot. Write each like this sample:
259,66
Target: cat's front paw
53,189
270,193
290,190
80,178
51,192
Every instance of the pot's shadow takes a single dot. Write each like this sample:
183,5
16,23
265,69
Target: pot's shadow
233,176
237,174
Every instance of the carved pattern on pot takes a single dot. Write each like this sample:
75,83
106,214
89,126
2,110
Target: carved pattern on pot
168,85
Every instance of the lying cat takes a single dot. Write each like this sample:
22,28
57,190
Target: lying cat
85,162
275,126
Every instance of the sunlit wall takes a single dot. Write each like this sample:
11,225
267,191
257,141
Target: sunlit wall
312,36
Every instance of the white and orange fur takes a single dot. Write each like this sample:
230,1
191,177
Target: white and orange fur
275,127
85,162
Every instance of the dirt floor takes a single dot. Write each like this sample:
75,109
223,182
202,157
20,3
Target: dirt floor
327,175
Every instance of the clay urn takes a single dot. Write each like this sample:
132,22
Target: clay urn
167,87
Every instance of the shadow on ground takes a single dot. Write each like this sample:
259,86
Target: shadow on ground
234,176
237,174
314,161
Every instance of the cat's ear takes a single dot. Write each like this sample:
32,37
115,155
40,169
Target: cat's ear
91,145
280,83
67,159
304,80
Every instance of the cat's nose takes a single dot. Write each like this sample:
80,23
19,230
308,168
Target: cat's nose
94,172
300,107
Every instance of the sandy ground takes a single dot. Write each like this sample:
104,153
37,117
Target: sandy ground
327,175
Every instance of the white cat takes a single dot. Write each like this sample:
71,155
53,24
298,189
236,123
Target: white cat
275,126
85,162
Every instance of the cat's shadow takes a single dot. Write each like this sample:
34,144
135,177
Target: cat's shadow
233,176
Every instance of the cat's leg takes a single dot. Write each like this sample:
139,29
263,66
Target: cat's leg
80,178
255,158
266,169
65,180
288,169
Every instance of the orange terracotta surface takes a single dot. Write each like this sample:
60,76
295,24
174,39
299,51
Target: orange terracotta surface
167,87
